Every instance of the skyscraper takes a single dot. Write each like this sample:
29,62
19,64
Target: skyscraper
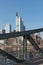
19,23
7,28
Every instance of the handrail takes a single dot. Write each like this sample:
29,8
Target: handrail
9,56
16,34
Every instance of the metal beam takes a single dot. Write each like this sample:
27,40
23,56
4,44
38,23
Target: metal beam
34,43
25,47
9,56
17,34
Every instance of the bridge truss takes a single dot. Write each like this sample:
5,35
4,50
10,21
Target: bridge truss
26,36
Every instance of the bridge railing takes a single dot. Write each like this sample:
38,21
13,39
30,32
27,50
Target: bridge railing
16,43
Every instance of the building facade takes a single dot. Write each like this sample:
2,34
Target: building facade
19,23
8,28
2,31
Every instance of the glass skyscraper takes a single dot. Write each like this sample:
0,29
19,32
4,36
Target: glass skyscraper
19,23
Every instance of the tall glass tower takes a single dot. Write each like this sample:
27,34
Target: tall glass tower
19,23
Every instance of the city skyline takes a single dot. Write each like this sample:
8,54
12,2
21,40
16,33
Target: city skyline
19,25
30,10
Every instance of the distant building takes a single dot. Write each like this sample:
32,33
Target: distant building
19,23
8,28
2,31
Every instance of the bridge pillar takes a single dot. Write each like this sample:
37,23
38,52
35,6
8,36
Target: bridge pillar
24,47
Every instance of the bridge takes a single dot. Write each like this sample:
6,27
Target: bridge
26,36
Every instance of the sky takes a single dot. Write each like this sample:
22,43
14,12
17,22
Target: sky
30,10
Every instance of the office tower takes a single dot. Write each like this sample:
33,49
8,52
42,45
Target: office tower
19,23
7,28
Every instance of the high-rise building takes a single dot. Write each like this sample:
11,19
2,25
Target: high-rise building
7,28
19,23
